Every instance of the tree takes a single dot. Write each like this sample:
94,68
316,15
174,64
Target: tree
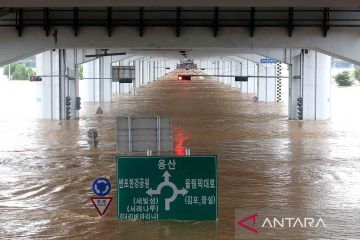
357,73
343,79
81,71
20,73
12,69
30,72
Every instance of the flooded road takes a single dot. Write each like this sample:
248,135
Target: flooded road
264,161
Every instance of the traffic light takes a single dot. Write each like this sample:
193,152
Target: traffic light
300,108
241,78
68,107
77,103
184,77
35,79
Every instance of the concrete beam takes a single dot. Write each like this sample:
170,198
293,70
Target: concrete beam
176,3
343,43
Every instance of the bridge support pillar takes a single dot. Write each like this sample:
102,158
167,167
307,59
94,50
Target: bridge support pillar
309,87
266,82
59,82
105,81
249,68
90,85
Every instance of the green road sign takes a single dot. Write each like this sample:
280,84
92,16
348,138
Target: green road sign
172,187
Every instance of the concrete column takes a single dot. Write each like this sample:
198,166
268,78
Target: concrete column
151,71
60,80
267,83
163,68
252,71
87,90
142,74
97,85
246,67
222,70
156,66
126,88
105,81
115,85
146,72
244,72
228,72
101,79
311,81
47,66
237,72
137,73
71,80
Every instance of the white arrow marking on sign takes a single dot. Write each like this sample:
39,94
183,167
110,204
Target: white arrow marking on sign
166,176
167,182
106,189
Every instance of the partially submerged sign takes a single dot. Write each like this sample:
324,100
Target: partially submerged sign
173,188
139,134
101,204
101,187
99,111
123,74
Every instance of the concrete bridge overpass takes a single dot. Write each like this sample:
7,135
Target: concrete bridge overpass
302,35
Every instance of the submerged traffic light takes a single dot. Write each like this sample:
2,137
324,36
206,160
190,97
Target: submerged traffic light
184,77
77,103
300,108
68,107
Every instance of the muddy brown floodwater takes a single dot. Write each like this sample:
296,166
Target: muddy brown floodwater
264,160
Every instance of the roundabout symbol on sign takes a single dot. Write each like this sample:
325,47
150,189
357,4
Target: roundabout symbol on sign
165,183
101,186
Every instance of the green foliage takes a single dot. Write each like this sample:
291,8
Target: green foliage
357,73
18,71
12,69
30,72
343,79
81,71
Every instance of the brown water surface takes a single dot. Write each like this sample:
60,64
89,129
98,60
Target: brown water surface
46,167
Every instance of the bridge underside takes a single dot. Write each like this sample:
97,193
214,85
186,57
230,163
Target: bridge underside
330,30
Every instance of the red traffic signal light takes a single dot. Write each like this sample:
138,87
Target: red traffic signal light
184,77
35,79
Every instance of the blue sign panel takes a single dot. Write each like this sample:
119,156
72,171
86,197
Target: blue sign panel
101,186
269,60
